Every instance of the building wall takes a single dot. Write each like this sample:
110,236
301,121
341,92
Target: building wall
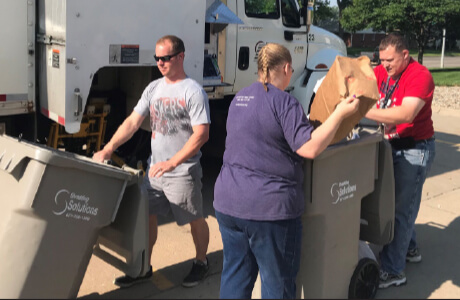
365,40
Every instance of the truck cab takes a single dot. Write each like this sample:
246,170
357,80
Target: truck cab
313,49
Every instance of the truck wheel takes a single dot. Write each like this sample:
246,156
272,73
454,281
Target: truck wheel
365,280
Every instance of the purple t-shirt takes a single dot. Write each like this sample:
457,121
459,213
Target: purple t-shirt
261,177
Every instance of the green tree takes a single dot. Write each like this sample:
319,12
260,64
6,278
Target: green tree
322,11
452,31
342,4
417,19
261,7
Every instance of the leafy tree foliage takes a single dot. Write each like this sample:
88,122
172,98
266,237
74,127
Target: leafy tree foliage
420,20
261,6
322,11
342,4
452,31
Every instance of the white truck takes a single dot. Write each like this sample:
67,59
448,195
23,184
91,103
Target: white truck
83,64
72,70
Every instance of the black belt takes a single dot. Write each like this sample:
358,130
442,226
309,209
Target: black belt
407,143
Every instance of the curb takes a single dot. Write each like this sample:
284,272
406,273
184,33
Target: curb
445,111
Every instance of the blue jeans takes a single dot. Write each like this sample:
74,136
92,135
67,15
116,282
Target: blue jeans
269,247
410,170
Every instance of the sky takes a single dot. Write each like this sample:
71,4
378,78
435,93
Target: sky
332,2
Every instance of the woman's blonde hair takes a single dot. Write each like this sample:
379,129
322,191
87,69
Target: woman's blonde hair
271,56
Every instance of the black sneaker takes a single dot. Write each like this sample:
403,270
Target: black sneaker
197,274
127,281
387,280
413,256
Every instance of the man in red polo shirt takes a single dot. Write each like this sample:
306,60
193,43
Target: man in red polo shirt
404,109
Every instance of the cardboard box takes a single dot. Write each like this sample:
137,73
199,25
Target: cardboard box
347,76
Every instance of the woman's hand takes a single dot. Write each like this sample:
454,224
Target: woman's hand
348,106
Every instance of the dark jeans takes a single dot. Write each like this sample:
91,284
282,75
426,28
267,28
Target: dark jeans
410,168
269,247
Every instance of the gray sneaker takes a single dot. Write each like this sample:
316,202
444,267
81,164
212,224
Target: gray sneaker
197,274
413,256
387,280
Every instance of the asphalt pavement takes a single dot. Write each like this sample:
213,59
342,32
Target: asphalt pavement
437,226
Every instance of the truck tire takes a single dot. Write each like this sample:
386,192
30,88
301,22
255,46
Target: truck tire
365,280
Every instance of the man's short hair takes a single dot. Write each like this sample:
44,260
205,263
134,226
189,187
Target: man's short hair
177,43
396,40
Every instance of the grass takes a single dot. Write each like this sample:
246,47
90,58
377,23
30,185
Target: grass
446,77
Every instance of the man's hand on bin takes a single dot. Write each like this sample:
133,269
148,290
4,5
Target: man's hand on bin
158,169
102,156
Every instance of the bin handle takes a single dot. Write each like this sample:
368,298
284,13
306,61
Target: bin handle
11,155
9,164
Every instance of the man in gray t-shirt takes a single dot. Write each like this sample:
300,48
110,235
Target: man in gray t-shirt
178,109
174,110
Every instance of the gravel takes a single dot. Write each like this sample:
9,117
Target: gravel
447,97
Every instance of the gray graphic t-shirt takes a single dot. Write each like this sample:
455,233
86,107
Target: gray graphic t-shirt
173,109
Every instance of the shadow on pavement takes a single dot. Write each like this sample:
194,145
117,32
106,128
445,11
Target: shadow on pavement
166,284
440,263
447,154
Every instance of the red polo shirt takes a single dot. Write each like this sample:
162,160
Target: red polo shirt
415,81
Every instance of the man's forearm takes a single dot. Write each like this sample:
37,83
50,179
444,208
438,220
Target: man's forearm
405,113
191,148
393,115
122,135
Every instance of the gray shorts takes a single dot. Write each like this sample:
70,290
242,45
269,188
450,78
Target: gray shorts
181,195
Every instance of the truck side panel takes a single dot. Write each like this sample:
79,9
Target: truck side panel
79,37
17,78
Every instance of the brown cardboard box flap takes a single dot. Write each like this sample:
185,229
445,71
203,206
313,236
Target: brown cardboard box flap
347,76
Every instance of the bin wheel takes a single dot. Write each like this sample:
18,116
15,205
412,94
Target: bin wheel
365,280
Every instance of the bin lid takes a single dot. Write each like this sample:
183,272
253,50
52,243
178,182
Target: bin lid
13,151
373,138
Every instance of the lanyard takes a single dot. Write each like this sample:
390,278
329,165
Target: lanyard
387,101
388,92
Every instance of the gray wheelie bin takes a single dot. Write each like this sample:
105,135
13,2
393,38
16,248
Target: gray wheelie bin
53,205
378,207
124,243
336,182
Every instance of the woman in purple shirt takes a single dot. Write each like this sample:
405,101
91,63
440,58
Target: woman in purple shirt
258,194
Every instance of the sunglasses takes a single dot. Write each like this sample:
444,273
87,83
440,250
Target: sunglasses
166,57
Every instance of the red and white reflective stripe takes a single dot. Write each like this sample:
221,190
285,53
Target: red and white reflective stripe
53,116
13,97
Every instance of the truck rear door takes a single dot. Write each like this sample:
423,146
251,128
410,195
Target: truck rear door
78,38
